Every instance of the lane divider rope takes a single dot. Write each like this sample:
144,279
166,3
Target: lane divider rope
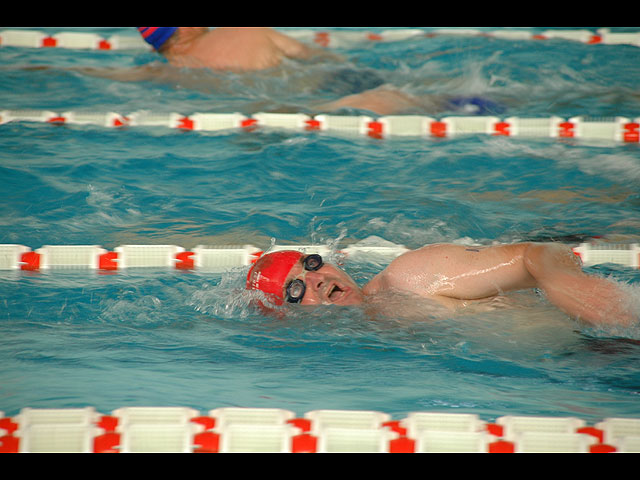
607,129
243,429
225,257
329,39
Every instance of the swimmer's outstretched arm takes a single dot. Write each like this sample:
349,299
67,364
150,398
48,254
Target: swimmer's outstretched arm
474,273
592,299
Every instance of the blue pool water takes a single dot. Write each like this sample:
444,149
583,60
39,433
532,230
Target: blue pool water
161,338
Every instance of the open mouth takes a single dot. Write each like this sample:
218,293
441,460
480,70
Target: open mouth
335,293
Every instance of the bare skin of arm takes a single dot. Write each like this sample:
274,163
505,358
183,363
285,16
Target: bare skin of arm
383,101
455,273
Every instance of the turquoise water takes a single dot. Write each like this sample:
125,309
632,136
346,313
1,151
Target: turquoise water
174,338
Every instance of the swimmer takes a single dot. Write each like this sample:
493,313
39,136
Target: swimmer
234,49
243,50
250,49
452,275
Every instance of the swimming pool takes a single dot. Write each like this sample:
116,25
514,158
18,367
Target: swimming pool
165,337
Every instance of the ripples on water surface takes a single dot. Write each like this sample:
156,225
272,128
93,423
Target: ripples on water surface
168,338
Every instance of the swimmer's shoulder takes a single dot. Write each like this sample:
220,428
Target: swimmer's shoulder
409,271
394,276
376,285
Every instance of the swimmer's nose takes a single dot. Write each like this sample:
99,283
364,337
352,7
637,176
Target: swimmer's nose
314,280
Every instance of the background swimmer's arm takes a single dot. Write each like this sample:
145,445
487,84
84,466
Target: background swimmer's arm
128,74
292,48
383,100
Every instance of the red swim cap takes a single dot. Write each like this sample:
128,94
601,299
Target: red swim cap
270,272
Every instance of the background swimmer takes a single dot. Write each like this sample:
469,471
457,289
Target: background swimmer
198,58
453,275
247,49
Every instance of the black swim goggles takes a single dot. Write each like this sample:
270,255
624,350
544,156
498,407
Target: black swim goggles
296,288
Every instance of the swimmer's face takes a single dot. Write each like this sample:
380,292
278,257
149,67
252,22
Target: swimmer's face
326,286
